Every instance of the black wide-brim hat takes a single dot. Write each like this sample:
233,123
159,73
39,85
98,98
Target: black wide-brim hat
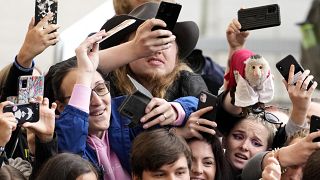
186,32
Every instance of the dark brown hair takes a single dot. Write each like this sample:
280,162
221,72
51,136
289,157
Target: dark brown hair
65,166
155,148
311,169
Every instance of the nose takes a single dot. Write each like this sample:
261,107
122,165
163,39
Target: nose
245,145
95,99
196,168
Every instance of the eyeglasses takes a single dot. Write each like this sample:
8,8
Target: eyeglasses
101,89
267,116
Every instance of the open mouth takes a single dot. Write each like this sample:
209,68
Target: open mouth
98,113
241,156
155,60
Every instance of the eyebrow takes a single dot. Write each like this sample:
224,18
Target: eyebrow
99,82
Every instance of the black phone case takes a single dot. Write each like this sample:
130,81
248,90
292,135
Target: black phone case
24,112
207,99
283,67
259,17
315,126
43,7
135,104
169,13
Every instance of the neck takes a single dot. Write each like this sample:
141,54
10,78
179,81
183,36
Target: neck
97,133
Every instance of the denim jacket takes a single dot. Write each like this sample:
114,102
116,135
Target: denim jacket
72,131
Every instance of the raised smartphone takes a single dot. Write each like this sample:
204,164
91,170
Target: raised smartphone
24,112
43,7
30,87
259,17
207,99
315,126
169,13
283,67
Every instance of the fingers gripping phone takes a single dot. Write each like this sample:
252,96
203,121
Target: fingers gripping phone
315,126
24,112
169,13
259,17
43,7
207,99
283,67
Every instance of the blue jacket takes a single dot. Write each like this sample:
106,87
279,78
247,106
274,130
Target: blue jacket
72,131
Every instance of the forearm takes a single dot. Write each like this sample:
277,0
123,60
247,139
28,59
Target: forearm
298,116
230,108
117,56
25,57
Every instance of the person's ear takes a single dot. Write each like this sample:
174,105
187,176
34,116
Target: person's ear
60,106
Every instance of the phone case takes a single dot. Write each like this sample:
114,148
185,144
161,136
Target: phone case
169,13
135,104
207,99
259,17
315,126
43,7
30,87
283,67
24,112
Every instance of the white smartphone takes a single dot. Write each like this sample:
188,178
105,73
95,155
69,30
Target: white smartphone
118,28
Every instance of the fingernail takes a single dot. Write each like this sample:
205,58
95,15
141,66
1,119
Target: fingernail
142,119
145,126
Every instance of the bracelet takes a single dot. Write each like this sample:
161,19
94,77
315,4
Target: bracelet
276,153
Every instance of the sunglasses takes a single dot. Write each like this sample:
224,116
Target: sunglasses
267,116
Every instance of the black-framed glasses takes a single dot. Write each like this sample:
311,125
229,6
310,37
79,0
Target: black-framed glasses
101,89
267,116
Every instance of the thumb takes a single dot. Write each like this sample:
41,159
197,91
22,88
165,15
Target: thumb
31,24
28,125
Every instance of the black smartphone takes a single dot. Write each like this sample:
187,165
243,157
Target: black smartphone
315,126
43,7
283,67
259,17
169,13
24,112
207,99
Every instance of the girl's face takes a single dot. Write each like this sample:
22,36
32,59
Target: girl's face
100,106
245,140
159,64
203,161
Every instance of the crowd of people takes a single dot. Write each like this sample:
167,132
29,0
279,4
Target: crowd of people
82,135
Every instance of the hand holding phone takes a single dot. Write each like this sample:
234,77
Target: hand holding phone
169,13
24,112
283,67
315,126
207,99
259,17
43,7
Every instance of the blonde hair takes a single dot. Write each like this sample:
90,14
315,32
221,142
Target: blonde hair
3,76
271,128
298,134
126,6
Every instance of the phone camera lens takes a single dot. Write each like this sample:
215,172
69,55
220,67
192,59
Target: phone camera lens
280,67
24,83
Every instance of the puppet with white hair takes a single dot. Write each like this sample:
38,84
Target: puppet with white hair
249,79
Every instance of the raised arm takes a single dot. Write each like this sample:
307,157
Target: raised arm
144,44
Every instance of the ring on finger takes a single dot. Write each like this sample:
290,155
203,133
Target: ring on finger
197,122
290,84
165,117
